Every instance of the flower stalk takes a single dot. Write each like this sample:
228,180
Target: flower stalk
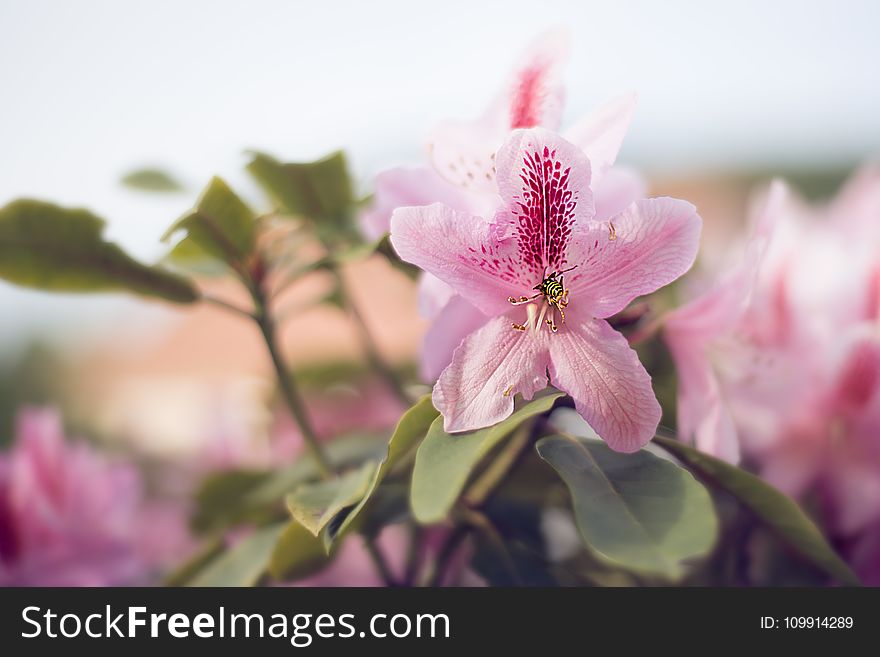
287,384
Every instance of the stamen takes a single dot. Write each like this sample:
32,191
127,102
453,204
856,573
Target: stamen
540,321
612,232
507,392
518,327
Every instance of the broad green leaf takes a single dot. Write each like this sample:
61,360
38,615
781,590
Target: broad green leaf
444,462
638,510
297,554
245,563
190,257
228,498
187,571
411,428
221,224
48,247
218,498
320,191
343,452
510,563
315,505
780,513
388,505
150,179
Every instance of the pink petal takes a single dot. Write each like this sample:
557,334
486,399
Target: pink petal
652,243
618,188
462,250
857,205
865,557
601,133
452,325
463,152
858,382
611,390
404,186
691,331
488,368
535,94
433,295
545,183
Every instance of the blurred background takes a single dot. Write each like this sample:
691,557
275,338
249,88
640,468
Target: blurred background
730,93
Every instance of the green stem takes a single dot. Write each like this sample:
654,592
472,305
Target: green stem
380,562
436,571
227,305
477,495
480,522
289,390
494,474
368,344
412,555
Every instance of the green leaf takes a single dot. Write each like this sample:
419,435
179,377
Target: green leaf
637,510
218,498
297,554
315,505
343,452
188,256
780,513
320,191
221,224
48,247
186,572
411,428
234,496
150,179
445,461
245,563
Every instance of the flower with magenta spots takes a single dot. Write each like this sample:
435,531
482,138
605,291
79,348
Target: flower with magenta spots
461,175
545,273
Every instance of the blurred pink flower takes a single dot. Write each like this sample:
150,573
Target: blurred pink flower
69,516
712,341
462,176
545,228
865,556
781,360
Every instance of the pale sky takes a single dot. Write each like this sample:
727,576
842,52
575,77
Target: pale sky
94,88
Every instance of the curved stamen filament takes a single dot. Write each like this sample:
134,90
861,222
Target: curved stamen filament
554,297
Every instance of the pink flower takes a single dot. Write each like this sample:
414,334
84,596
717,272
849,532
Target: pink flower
864,556
705,336
462,155
71,517
544,273
454,318
781,359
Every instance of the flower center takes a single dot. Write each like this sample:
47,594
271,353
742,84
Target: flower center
551,297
